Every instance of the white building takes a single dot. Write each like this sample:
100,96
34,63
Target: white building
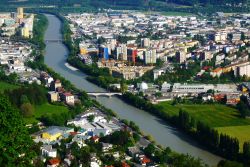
158,73
68,98
121,52
149,56
243,70
192,88
48,151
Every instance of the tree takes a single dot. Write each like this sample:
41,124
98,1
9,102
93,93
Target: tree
226,163
243,108
246,153
27,110
15,143
124,87
150,150
91,118
24,99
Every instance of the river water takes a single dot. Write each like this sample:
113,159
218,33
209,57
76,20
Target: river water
55,58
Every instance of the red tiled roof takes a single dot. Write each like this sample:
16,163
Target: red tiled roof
217,69
206,67
95,138
67,94
145,160
73,133
54,161
124,164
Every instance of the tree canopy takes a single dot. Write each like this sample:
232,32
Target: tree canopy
15,143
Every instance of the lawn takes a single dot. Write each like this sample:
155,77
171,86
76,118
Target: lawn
240,132
214,115
6,86
44,109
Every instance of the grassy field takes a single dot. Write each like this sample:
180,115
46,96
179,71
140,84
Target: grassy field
6,86
240,132
45,109
214,115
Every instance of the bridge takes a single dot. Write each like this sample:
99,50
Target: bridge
53,40
107,94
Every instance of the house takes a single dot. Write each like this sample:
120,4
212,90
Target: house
106,147
68,98
53,96
132,151
95,139
124,164
56,84
165,87
216,72
52,134
53,162
48,151
144,161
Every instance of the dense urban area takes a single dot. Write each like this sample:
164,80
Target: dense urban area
190,70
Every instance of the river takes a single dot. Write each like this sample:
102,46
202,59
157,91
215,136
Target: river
55,58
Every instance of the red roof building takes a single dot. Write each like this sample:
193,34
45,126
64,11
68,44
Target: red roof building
54,162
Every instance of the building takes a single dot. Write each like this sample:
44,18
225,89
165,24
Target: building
68,98
236,36
53,162
180,57
145,42
165,87
52,134
149,56
192,88
83,49
53,96
157,73
20,13
104,53
121,52
25,32
48,151
206,55
243,70
220,37
56,84
132,55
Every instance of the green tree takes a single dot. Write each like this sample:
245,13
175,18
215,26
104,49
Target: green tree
91,118
246,153
15,143
27,110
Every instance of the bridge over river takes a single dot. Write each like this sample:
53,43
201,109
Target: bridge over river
107,94
54,40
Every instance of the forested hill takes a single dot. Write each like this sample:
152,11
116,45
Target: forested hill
129,2
158,5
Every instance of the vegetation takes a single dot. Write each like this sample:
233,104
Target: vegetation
6,86
48,110
15,143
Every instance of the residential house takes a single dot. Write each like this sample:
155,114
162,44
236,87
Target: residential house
68,98
53,162
56,84
48,151
53,96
